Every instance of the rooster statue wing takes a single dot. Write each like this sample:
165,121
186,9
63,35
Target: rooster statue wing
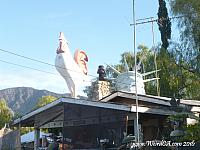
73,70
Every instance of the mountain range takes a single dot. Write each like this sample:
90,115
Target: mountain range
23,99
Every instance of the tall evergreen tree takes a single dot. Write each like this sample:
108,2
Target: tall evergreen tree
164,24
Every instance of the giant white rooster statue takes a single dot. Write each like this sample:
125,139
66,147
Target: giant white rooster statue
73,70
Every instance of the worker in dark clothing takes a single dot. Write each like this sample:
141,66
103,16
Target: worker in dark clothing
102,73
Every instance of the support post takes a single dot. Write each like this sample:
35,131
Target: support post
36,138
63,127
136,130
19,128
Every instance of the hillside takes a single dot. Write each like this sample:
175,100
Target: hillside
23,99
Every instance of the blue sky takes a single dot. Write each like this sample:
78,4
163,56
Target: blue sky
100,28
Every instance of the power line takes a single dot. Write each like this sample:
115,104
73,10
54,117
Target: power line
19,65
27,67
36,60
31,68
47,72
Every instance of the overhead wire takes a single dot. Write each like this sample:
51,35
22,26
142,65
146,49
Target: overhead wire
47,72
39,61
26,67
46,63
31,68
23,66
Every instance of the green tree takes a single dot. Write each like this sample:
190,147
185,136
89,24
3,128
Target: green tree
25,130
168,81
148,64
189,23
188,82
121,66
164,24
44,100
174,79
192,133
6,113
146,56
129,59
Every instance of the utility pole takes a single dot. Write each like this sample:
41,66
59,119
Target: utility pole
136,96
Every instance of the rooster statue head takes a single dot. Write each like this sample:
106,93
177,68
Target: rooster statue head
81,59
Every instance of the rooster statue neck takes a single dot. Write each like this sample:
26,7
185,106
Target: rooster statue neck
73,70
